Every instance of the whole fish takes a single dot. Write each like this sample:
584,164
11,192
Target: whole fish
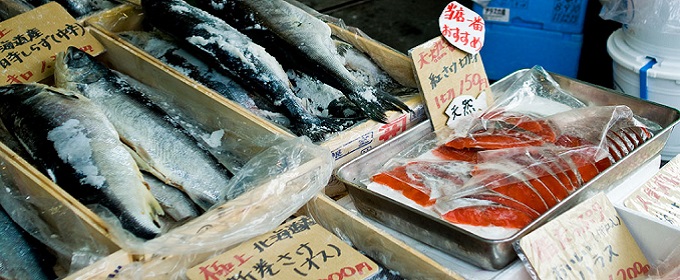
22,256
75,145
321,99
167,151
80,8
161,46
235,54
304,41
10,8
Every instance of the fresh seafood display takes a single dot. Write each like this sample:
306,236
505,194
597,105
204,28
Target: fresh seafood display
301,40
74,144
233,53
22,256
160,147
514,161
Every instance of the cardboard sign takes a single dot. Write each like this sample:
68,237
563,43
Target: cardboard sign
660,196
445,73
462,27
299,249
29,43
589,241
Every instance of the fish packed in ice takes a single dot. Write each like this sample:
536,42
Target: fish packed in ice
300,40
328,88
164,48
74,144
159,145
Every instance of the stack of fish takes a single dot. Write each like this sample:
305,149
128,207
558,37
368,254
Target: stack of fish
22,256
277,51
104,142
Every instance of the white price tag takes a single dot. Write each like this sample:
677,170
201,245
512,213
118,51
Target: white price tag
496,14
464,106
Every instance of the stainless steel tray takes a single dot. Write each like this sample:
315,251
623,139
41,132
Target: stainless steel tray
495,254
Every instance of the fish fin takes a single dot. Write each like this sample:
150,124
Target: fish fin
376,106
342,47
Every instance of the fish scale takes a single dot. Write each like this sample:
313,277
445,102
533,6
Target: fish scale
162,148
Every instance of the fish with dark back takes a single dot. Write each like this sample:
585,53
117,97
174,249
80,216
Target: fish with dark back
160,146
300,40
75,145
233,53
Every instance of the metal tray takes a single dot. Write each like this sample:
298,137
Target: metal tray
494,254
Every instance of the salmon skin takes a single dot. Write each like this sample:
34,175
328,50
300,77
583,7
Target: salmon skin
74,144
303,41
160,147
233,53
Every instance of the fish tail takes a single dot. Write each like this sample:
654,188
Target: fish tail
374,103
317,128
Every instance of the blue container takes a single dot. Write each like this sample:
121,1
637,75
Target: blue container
509,48
556,15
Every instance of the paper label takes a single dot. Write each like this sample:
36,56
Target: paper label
496,14
445,73
29,43
462,27
299,249
660,196
464,106
589,241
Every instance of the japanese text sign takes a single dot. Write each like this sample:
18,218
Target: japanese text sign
660,196
299,249
445,73
462,27
590,241
29,43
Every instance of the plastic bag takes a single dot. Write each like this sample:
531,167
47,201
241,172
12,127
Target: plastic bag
653,15
533,147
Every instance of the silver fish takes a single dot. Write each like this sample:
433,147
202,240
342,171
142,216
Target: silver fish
164,48
22,257
304,41
168,152
233,53
175,203
321,99
75,145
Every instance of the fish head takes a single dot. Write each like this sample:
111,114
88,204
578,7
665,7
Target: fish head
75,67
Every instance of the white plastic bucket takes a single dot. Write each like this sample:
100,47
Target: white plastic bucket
663,80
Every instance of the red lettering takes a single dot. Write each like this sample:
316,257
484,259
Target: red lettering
360,267
344,273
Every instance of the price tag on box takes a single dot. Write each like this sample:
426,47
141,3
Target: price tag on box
29,43
590,241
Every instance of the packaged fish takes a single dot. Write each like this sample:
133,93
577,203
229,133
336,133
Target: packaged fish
501,172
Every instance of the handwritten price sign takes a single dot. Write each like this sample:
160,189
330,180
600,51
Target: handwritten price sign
587,242
462,27
446,73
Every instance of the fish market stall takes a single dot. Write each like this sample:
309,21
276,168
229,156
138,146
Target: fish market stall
390,71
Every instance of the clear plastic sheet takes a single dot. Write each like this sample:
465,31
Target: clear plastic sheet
530,149
280,180
55,226
657,15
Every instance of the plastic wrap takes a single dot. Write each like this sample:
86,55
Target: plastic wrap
652,15
533,147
